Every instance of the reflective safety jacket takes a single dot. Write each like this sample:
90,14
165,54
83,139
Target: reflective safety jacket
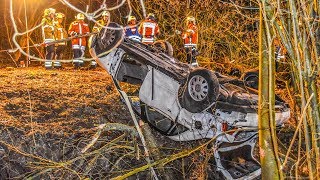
47,30
190,36
78,28
98,25
149,29
60,33
132,33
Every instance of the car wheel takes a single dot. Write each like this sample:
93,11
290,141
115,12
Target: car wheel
251,79
200,91
106,39
164,46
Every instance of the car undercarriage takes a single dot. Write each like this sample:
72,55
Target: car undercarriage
188,103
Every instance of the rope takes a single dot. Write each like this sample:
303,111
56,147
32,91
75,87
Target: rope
52,42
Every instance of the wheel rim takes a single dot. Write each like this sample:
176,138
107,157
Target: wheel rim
198,88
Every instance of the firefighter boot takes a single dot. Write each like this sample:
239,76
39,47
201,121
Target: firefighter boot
76,64
93,64
48,65
194,62
57,65
81,63
194,54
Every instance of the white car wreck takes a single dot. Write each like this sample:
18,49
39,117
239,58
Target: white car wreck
187,103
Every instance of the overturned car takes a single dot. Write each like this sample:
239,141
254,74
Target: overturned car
187,103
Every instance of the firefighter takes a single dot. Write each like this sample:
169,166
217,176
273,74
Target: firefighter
149,29
60,34
190,37
78,28
104,21
48,35
132,29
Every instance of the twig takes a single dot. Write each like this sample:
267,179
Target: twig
296,131
164,161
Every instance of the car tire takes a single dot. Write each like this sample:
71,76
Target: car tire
251,79
200,91
106,39
164,46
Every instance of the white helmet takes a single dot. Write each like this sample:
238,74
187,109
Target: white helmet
80,16
191,19
131,18
151,16
105,13
60,15
49,11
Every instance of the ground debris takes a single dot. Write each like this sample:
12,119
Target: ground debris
49,120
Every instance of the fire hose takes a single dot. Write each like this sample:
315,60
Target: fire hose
54,42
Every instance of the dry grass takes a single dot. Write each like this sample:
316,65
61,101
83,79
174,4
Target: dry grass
50,118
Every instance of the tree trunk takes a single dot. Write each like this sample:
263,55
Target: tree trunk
269,165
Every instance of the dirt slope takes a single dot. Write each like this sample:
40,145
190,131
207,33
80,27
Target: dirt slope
48,117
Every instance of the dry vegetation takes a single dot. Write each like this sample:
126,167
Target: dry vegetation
49,117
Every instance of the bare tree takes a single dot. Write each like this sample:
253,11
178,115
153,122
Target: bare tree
267,137
295,22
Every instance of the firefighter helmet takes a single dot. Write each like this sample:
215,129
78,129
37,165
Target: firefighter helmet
131,18
80,16
105,13
48,12
60,15
151,16
191,19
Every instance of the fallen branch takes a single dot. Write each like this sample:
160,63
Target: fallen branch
108,127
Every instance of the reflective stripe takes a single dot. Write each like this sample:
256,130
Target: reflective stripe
151,40
56,63
93,63
190,45
48,40
75,47
48,64
80,31
78,47
135,38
